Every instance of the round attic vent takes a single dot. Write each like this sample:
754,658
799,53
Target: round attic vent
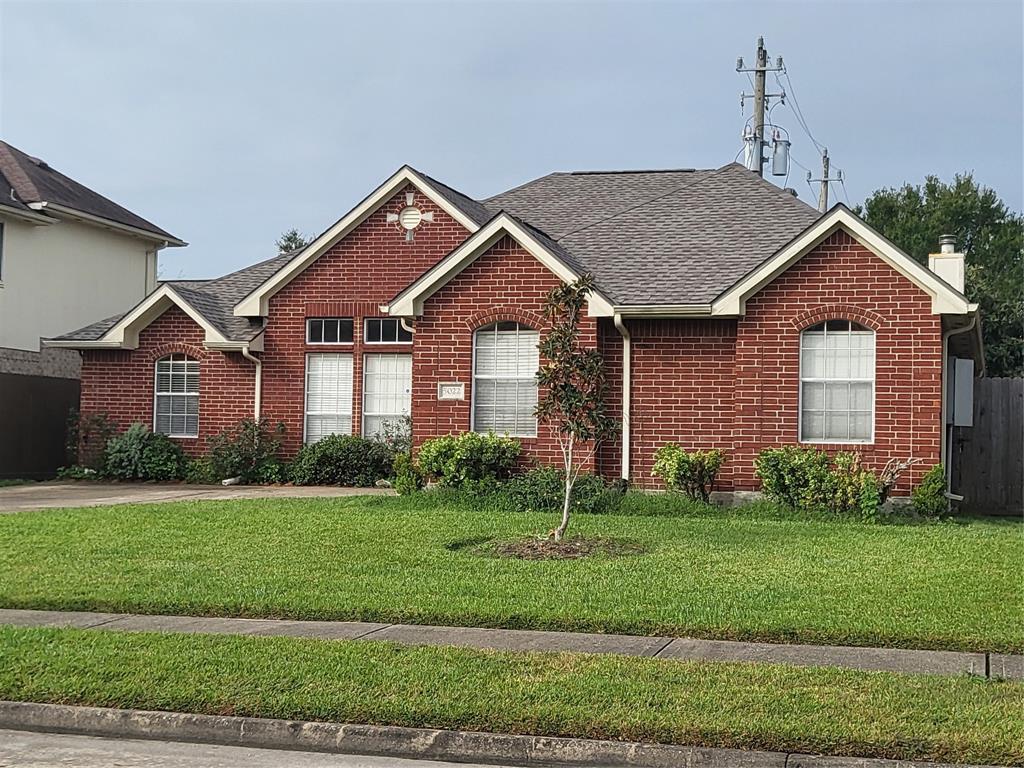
410,217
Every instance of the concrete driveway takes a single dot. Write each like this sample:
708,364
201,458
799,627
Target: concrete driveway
19,498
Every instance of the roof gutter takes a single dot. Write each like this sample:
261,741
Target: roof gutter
662,310
83,344
30,217
163,241
258,383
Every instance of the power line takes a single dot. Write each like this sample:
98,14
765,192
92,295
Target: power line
797,111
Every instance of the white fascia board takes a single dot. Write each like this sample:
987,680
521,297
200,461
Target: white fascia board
663,310
410,302
29,217
88,218
945,299
125,332
256,304
72,344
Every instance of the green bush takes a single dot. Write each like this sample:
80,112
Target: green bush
138,454
407,476
543,490
807,478
470,457
797,477
200,471
690,472
342,460
248,450
929,496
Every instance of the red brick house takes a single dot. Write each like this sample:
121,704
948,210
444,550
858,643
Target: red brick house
729,313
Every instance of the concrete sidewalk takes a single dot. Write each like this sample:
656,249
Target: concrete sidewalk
679,649
20,498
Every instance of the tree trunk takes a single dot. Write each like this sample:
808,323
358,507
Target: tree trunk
560,530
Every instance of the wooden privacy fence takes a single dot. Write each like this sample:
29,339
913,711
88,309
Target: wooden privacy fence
987,460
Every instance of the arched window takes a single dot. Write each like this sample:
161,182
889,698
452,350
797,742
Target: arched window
176,396
837,383
505,362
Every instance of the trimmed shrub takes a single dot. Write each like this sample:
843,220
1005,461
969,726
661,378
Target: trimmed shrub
200,471
247,450
806,478
342,460
690,472
797,477
138,454
407,476
470,457
543,490
929,496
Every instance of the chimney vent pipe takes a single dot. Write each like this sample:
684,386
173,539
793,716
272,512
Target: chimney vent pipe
947,244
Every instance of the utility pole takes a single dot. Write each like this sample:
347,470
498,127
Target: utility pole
823,191
760,98
824,180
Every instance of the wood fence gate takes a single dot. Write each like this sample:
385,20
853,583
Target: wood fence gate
987,461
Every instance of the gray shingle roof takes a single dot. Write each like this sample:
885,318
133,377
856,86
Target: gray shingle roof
475,210
33,181
648,237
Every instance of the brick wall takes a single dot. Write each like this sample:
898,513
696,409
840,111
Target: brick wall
119,383
364,270
735,384
505,283
840,279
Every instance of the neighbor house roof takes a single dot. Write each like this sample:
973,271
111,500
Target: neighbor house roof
213,299
30,184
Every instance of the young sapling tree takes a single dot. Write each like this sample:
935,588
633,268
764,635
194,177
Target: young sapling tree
572,384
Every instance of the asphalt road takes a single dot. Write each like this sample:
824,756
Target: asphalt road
52,750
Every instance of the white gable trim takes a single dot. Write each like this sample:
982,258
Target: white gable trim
409,303
256,303
124,334
945,298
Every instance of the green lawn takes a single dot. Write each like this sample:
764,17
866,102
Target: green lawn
400,560
751,706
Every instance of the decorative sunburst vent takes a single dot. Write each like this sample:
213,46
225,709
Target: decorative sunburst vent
410,217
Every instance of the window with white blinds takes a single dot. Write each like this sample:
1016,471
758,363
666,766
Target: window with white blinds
328,395
176,396
505,362
387,391
837,383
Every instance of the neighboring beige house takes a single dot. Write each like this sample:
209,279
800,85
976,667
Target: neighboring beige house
67,256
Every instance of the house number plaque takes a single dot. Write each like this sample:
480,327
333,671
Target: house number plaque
451,391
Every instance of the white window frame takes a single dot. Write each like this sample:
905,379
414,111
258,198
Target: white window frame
305,397
398,325
475,376
331,343
157,394
365,412
826,380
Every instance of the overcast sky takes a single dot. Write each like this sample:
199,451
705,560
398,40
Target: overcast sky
229,122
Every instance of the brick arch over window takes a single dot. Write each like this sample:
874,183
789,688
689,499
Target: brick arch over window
163,350
871,320
503,315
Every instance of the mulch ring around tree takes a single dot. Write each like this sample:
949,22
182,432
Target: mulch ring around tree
574,548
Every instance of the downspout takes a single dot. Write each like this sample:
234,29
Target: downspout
259,380
626,390
405,324
947,431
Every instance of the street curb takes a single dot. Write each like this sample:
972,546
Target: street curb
400,742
